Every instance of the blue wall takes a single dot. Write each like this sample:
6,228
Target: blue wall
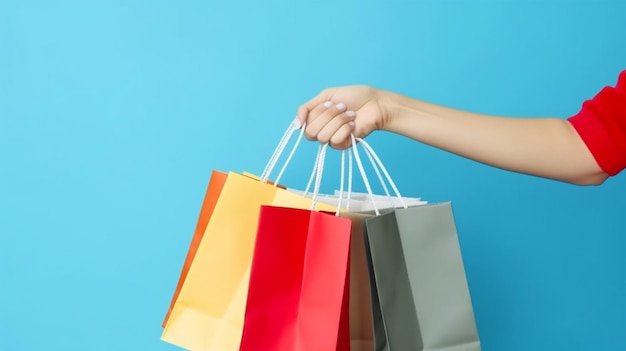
114,113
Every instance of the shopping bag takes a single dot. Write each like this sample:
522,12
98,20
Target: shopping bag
209,310
364,305
208,204
360,202
364,202
298,293
360,311
419,279
216,183
419,294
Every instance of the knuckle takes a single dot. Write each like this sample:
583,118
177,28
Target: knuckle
337,141
309,134
345,118
323,139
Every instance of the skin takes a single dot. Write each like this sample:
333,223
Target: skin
544,147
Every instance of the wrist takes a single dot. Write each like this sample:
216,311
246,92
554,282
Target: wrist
398,111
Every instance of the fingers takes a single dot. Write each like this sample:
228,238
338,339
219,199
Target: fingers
330,123
305,110
327,120
319,116
337,129
341,139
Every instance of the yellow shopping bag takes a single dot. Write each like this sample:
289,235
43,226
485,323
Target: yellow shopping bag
210,308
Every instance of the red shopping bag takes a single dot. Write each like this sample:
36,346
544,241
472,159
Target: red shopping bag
299,283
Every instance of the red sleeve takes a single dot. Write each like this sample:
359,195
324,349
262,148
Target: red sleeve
601,123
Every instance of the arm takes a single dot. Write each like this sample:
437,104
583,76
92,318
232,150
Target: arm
545,147
585,149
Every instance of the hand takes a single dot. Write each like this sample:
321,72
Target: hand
335,113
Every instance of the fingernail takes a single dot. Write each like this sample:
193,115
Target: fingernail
341,107
297,124
350,114
351,123
328,104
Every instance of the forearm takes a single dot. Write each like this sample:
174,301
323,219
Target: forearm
545,147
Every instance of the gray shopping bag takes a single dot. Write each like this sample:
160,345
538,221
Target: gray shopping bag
420,295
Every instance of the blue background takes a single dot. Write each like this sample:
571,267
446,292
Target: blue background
114,113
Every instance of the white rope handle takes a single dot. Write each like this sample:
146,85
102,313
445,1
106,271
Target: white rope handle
315,165
318,178
377,163
279,150
343,180
318,168
343,170
293,151
318,175
380,177
363,175
382,167
349,179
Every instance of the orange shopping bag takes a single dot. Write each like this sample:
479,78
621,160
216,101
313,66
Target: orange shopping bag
216,183
210,198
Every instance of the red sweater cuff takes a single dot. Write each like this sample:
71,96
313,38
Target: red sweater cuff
601,123
597,139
